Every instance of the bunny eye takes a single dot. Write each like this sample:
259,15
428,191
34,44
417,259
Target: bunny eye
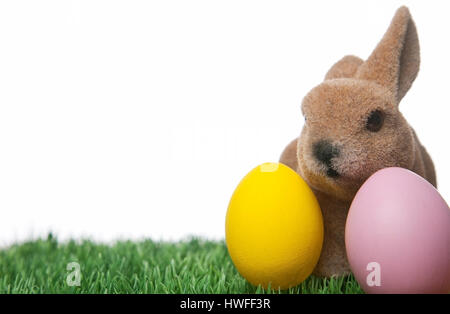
375,121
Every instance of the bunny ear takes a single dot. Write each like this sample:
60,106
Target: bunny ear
395,61
346,67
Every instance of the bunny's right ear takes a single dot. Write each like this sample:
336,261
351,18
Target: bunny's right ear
395,61
346,67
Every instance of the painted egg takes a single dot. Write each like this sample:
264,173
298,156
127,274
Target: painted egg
398,235
274,227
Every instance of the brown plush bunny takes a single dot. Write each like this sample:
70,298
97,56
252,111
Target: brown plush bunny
353,128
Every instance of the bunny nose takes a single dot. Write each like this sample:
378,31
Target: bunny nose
324,151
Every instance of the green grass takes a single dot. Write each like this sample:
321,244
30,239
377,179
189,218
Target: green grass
190,266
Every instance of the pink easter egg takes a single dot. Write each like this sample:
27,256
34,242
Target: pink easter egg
397,235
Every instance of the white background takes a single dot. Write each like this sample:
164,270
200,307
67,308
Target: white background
131,119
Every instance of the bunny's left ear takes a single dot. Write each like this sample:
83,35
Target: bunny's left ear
395,61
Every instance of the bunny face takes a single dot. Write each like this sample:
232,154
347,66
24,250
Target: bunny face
352,129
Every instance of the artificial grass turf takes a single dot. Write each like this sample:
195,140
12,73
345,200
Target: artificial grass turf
190,266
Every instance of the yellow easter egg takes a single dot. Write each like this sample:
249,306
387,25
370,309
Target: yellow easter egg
274,227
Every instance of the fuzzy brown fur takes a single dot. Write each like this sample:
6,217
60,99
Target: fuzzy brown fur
337,111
